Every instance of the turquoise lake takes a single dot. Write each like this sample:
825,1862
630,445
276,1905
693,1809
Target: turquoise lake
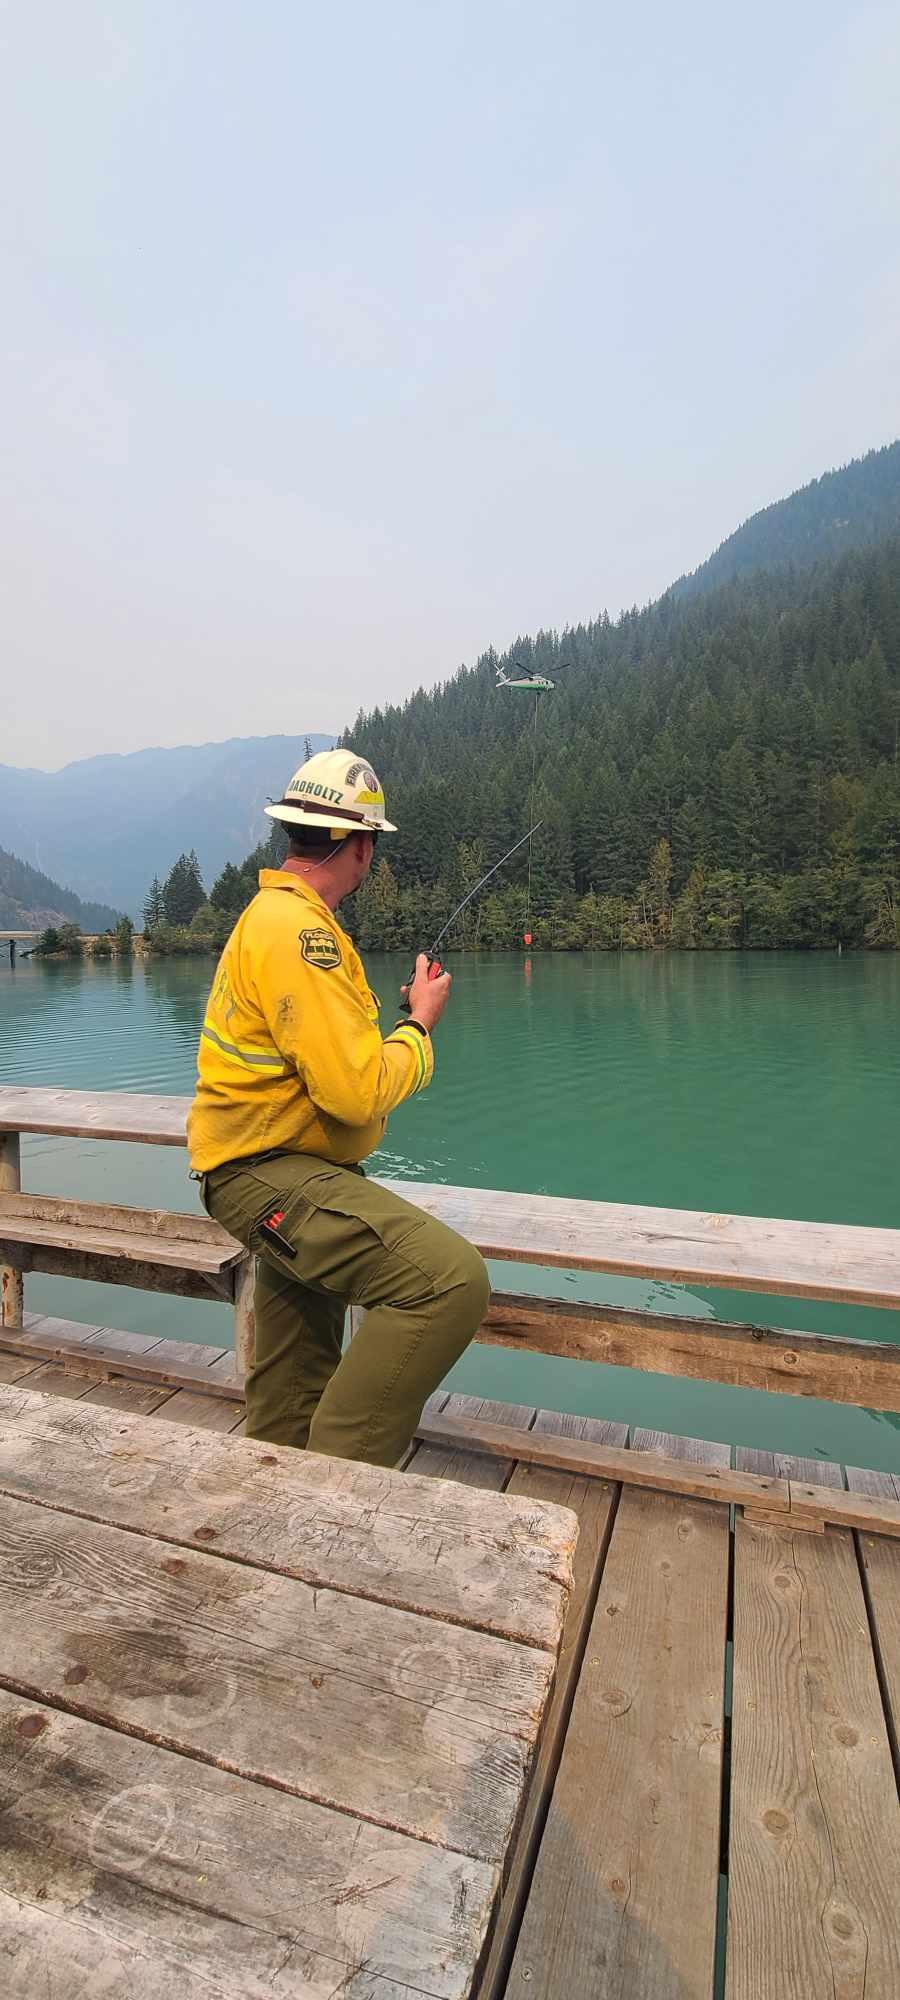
765,1084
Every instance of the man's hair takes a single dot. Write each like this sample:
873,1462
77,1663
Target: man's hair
313,843
309,843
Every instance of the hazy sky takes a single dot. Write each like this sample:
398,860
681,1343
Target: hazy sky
339,343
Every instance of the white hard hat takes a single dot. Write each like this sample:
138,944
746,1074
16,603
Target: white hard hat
335,789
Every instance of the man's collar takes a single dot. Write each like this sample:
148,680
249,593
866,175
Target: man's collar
281,878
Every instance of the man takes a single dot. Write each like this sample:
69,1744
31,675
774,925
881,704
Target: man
294,1090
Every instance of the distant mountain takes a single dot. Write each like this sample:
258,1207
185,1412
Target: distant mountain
115,822
848,509
29,901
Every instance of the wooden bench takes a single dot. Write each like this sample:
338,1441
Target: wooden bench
838,1262
150,1248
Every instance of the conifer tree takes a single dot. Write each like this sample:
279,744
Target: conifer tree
184,891
154,909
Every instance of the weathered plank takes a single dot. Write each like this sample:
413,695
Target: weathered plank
623,1900
16,1367
815,1836
334,1524
58,1380
470,1468
819,1260
880,1560
202,1413
683,1450
139,1399
865,1373
103,1352
844,1510
103,1339
126,1870
144,1247
875,1485
95,1114
781,1465
641,1466
53,1336
50,1212
11,1300
422,1727
594,1502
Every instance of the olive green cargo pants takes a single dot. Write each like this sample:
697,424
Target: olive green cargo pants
424,1288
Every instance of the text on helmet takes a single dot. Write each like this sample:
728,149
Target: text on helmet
326,792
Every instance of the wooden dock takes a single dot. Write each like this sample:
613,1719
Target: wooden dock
712,1801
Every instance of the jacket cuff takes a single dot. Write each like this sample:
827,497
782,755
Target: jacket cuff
416,1038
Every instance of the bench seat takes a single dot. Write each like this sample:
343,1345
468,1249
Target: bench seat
147,1247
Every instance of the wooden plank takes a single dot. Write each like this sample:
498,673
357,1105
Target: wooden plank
594,1503
57,1379
421,1727
60,1212
95,1114
639,1467
880,1562
815,1836
226,1370
107,1267
686,1450
139,1399
52,1336
876,1485
41,1232
819,1260
16,1367
845,1510
202,1413
623,1899
781,1465
104,1339
335,1524
125,1870
747,1253
175,1364
11,1299
245,1315
865,1373
471,1468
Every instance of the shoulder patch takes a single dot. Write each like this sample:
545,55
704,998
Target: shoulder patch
320,948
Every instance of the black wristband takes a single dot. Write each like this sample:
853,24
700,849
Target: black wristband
408,1022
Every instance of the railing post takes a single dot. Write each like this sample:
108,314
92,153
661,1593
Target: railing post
11,1301
244,1315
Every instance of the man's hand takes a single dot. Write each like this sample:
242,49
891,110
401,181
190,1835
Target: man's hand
427,997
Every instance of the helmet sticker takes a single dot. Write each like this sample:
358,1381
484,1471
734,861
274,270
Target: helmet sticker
362,771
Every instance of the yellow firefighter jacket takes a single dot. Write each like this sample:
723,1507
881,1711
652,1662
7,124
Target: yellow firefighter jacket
291,1057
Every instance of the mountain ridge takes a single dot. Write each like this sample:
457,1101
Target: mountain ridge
30,900
809,524
116,819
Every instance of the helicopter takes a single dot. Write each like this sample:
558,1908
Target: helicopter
524,677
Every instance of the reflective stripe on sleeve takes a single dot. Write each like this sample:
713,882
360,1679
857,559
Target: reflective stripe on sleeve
248,1058
411,1039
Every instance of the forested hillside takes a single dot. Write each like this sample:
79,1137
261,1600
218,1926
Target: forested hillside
720,771
29,901
714,772
848,509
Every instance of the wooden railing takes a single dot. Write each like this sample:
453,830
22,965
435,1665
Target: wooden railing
812,1260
